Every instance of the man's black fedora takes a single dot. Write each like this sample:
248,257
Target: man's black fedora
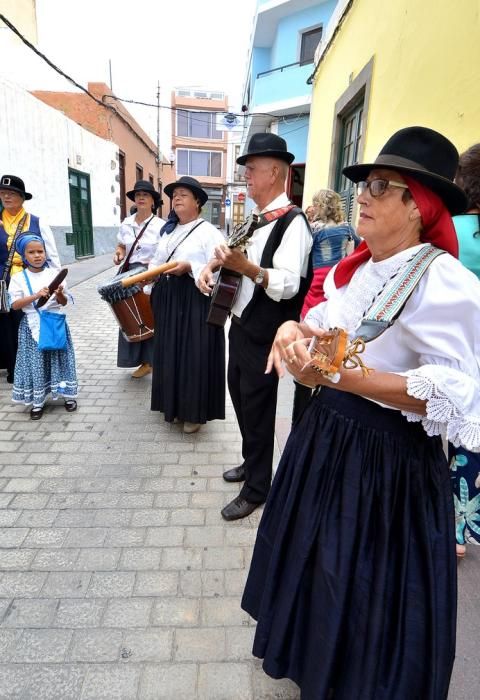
191,184
145,186
426,156
15,184
269,145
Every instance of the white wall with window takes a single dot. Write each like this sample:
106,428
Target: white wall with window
199,163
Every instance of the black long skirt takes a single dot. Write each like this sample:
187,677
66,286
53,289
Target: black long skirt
353,577
9,324
188,379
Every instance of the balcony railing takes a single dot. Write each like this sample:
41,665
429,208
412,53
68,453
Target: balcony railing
280,68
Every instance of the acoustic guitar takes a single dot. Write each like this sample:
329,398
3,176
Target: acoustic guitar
228,283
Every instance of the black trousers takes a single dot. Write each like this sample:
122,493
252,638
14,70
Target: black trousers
254,398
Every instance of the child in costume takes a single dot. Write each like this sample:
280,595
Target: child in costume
39,373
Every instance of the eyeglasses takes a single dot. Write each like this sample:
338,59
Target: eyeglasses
378,187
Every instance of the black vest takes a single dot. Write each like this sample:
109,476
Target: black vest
262,316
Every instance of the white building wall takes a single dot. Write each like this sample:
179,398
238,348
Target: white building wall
38,144
98,158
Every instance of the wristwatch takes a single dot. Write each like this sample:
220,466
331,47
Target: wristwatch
260,276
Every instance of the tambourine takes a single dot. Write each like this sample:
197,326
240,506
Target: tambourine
334,350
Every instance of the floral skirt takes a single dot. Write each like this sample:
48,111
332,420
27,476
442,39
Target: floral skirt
465,477
41,373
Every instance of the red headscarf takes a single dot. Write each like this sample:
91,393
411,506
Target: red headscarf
438,229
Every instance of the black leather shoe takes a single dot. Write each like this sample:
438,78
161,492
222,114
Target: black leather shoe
235,474
36,413
238,508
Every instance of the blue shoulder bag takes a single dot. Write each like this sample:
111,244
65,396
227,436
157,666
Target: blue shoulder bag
53,332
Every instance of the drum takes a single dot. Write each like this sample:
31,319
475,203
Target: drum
130,306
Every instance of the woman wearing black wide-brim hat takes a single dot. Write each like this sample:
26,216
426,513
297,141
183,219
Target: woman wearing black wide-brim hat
188,383
353,576
137,241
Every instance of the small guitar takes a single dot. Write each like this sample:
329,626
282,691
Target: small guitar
228,283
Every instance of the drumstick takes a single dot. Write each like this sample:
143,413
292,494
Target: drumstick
147,275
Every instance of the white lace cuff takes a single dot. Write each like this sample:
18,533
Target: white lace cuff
453,404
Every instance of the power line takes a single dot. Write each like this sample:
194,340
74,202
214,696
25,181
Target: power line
74,82
106,105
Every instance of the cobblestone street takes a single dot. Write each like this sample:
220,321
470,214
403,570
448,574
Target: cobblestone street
118,576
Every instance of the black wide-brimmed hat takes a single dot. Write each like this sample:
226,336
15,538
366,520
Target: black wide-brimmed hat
145,186
426,156
15,184
269,145
191,184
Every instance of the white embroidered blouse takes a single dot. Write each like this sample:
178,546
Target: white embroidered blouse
435,342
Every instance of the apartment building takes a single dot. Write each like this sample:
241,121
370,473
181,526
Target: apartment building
276,95
200,145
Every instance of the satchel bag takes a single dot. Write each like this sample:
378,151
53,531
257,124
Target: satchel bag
4,298
53,329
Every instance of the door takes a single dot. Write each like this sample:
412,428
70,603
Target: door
121,175
81,210
238,213
295,181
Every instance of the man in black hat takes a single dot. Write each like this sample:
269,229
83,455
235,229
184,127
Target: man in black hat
274,282
14,220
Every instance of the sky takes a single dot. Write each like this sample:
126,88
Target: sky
179,44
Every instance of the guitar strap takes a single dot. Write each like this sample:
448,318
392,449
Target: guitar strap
388,305
268,216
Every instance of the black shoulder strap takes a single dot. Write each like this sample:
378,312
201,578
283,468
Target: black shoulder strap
184,239
124,267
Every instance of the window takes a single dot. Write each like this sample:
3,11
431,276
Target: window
199,163
138,172
238,173
310,41
350,116
351,134
150,179
197,125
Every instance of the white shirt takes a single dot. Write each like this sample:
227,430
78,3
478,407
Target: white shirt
197,248
18,289
290,260
435,342
129,230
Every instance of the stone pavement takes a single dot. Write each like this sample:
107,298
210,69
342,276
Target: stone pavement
118,577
